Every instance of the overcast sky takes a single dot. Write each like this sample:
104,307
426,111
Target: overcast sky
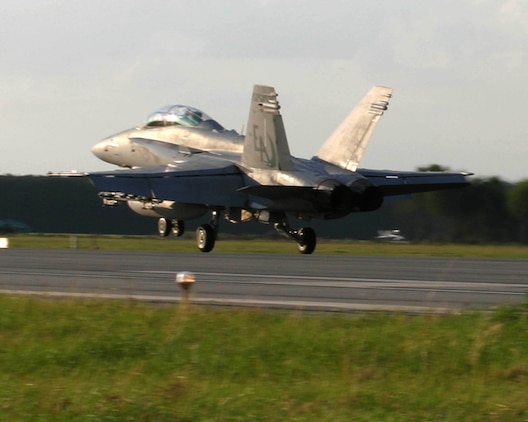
74,72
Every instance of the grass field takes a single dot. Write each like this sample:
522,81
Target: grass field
246,245
65,360
97,361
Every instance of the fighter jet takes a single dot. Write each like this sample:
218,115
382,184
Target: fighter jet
182,164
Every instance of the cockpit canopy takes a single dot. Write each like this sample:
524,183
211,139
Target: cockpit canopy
174,115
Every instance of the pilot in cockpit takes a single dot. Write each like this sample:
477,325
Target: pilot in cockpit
176,115
180,115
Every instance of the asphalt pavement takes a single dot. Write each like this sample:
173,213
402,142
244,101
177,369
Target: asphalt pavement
311,282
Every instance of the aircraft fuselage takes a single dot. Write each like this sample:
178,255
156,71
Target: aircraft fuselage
183,164
157,146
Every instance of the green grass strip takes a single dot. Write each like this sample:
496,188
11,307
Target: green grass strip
268,246
64,360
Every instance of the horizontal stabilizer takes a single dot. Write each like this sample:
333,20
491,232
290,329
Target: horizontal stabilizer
345,147
402,183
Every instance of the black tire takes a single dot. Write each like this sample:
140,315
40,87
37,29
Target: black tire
205,238
164,227
307,240
178,227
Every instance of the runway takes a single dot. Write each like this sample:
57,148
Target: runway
314,282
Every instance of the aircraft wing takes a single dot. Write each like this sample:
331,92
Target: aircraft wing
402,182
201,179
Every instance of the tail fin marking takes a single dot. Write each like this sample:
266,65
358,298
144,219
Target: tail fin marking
266,145
345,147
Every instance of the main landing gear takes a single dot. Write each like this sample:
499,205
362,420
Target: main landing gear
206,234
305,237
166,227
205,238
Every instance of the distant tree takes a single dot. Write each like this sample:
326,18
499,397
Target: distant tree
480,212
517,202
433,167
474,214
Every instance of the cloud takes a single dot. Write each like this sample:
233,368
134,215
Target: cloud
458,68
516,12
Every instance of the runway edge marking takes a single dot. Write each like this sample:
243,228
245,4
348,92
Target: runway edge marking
296,305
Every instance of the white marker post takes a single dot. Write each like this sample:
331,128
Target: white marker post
4,243
185,280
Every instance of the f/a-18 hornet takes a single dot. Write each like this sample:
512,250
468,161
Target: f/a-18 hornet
182,164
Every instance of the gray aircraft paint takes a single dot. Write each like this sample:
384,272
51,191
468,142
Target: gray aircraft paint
184,164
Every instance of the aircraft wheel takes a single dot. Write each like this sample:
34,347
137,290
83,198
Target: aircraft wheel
205,238
307,240
164,227
178,227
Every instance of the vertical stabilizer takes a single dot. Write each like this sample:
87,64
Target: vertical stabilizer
346,145
266,146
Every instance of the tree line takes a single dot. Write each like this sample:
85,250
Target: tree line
491,210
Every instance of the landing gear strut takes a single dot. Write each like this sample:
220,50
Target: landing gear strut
305,237
166,227
206,234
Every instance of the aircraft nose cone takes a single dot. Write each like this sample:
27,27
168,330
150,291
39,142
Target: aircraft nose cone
99,149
